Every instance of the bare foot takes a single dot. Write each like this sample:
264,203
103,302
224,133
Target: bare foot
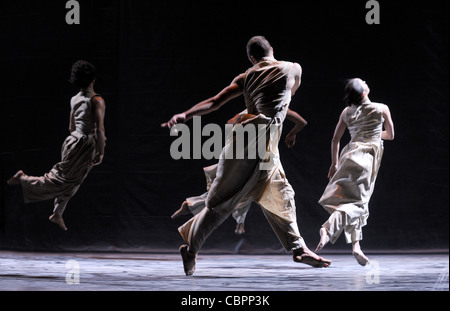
239,229
183,210
189,260
307,257
324,239
57,219
361,258
15,180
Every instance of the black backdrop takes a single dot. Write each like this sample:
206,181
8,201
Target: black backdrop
157,58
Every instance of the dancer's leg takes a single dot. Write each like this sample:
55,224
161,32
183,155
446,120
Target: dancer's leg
278,205
289,236
189,259
358,254
240,228
240,213
324,239
183,210
60,206
331,229
196,231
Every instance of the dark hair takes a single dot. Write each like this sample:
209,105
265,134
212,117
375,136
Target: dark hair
353,92
82,74
258,47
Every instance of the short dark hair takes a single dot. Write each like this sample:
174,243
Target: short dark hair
82,74
353,92
258,47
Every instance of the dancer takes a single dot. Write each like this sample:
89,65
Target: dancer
82,149
352,175
194,205
267,88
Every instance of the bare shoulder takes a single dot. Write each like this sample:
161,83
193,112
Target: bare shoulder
98,101
345,110
385,110
381,107
239,80
384,106
297,67
297,70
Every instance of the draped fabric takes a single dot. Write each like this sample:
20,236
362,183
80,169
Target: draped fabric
77,154
261,178
197,203
157,58
65,178
350,189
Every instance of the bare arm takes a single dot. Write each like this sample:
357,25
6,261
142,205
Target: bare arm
237,117
335,145
71,122
208,105
297,78
299,122
99,113
388,133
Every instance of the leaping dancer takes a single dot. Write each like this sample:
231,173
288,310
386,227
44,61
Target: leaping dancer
353,174
81,150
267,88
194,205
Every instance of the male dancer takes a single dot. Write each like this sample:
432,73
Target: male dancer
267,88
82,149
194,205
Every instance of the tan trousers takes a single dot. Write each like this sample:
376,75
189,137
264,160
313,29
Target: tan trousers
340,222
64,179
238,180
199,227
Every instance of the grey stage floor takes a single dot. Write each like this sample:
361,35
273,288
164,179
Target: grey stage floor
21,271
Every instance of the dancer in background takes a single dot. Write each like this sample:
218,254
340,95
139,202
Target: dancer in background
194,205
81,150
352,175
267,88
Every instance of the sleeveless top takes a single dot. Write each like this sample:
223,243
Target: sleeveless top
82,112
365,122
265,88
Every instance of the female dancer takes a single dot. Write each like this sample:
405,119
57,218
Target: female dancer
352,176
82,149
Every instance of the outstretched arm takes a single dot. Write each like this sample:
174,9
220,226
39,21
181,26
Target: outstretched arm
299,122
335,145
99,113
208,105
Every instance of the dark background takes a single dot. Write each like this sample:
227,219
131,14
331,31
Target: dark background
157,58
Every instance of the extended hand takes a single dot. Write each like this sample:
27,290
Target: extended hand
178,118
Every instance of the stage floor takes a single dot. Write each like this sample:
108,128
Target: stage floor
22,271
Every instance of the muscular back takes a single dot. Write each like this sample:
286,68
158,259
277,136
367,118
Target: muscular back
269,85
